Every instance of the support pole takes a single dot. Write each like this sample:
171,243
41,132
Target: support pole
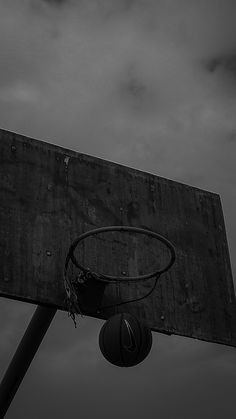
24,354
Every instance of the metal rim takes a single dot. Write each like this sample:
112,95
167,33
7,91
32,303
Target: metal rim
110,278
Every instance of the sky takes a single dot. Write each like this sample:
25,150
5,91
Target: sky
150,84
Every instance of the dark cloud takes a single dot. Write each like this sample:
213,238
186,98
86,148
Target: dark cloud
224,63
135,91
232,137
135,87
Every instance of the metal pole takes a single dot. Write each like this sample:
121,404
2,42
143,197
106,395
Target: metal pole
24,354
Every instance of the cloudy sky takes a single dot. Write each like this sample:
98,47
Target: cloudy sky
146,83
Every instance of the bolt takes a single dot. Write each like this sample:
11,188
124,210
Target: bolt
48,253
124,273
121,209
13,148
162,317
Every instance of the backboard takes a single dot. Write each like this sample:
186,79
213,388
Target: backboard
51,195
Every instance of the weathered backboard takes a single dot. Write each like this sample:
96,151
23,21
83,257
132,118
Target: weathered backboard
50,195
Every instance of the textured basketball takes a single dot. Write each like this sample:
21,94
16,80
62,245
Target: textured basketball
124,340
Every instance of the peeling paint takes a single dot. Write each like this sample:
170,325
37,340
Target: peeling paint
66,161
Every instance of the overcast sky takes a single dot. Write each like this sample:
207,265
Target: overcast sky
146,83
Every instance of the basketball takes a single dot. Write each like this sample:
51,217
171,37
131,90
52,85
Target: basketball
124,340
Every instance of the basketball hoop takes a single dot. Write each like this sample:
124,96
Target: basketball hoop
86,274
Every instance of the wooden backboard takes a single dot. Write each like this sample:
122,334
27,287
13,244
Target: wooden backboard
50,195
